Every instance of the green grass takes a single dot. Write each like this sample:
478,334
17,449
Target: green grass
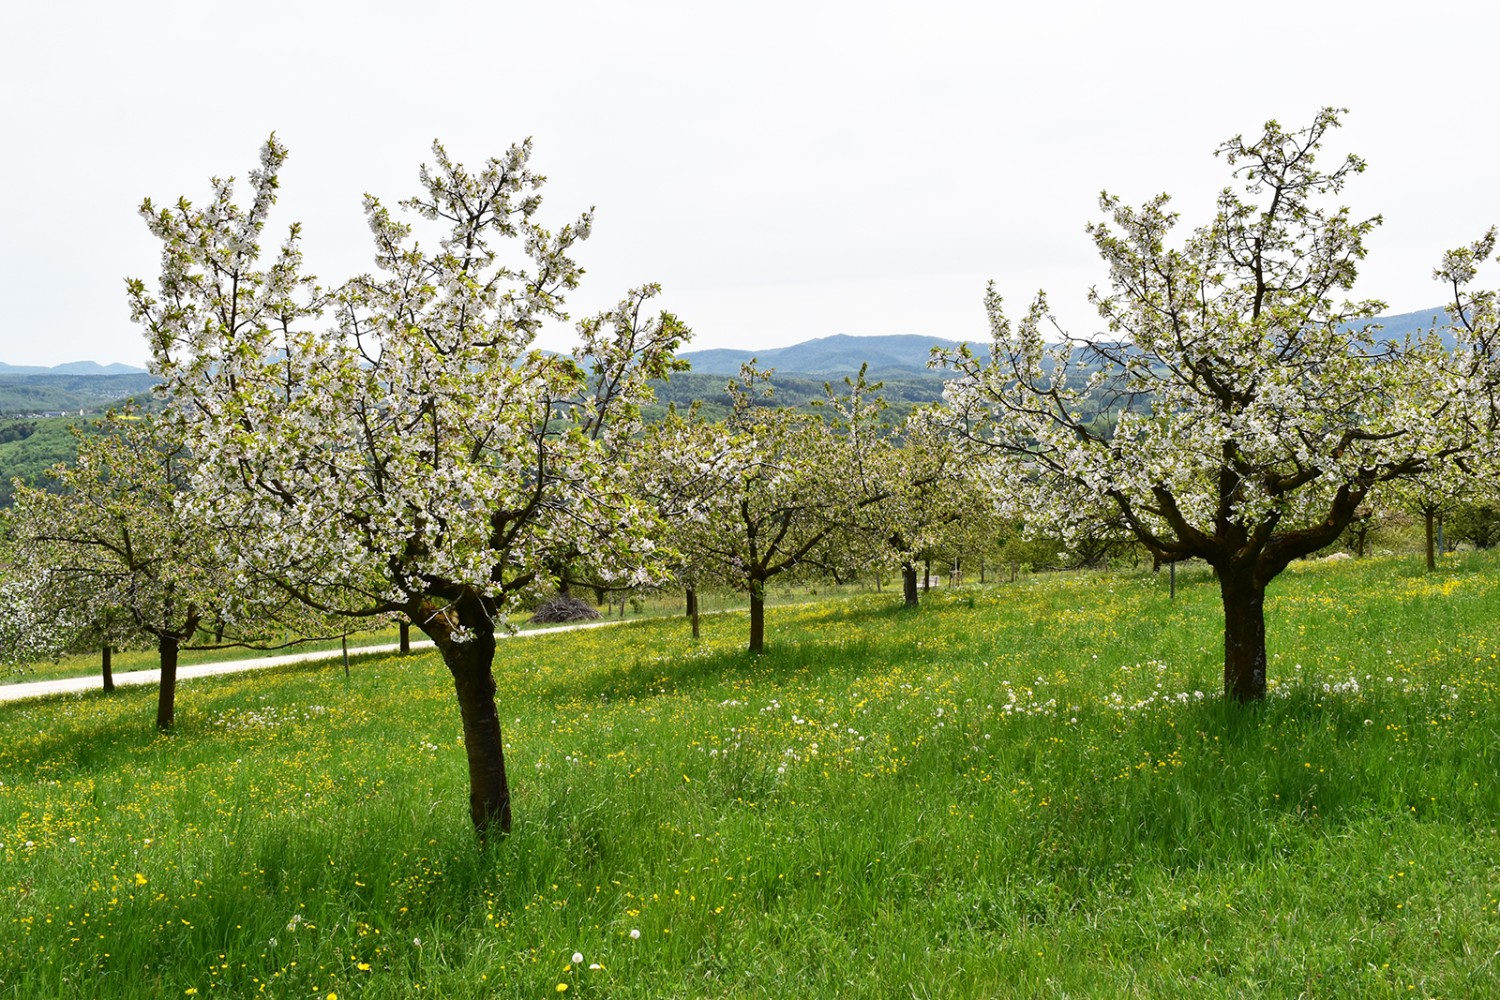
1009,792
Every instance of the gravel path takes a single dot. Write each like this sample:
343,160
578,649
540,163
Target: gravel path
93,682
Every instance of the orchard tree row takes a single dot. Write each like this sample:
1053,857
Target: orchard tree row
394,447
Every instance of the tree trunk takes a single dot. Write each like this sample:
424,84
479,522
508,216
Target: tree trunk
909,584
757,616
166,698
106,668
470,663
1430,516
692,609
1244,634
926,575
405,630
981,570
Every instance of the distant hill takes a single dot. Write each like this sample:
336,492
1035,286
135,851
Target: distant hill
905,355
899,359
1397,326
54,392
72,368
838,355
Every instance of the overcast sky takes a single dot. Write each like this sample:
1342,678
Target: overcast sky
785,170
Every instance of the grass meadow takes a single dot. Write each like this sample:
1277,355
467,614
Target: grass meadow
1026,790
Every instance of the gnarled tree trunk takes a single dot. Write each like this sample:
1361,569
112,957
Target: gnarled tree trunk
106,668
471,664
909,583
166,697
757,616
1244,633
405,641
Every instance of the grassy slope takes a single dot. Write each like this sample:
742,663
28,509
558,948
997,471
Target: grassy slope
1013,792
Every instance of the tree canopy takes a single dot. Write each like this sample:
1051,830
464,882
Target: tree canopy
417,456
1272,410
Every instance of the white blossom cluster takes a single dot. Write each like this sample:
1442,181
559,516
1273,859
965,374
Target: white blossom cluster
1236,402
394,444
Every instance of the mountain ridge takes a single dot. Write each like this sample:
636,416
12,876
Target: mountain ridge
838,354
72,368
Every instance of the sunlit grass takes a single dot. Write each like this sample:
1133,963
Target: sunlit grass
1026,791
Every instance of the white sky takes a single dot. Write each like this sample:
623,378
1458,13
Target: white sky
785,170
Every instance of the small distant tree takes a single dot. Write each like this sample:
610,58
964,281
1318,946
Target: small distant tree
771,491
33,626
1475,523
1362,526
933,504
123,562
419,458
1431,496
1020,549
1273,413
679,467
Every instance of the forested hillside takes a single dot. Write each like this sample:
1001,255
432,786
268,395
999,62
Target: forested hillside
25,395
29,447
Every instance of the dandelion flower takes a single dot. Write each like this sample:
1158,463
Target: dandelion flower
577,958
562,987
635,933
